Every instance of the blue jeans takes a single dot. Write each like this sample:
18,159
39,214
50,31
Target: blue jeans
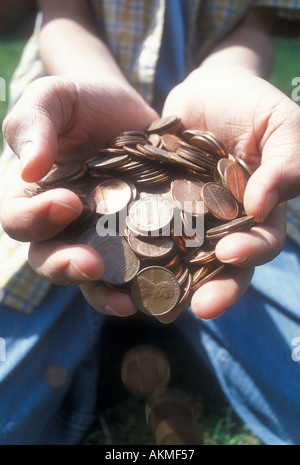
249,349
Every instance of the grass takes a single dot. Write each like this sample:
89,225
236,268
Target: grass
123,413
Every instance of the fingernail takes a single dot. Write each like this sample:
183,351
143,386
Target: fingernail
25,155
235,260
75,273
60,213
111,311
269,202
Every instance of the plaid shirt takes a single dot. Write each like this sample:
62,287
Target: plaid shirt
133,31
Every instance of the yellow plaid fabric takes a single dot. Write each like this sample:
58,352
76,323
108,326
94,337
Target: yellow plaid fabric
133,30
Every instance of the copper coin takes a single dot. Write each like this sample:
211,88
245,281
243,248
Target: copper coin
165,124
166,403
55,376
219,201
107,162
238,224
201,255
155,290
120,263
158,247
244,165
111,196
236,178
177,433
222,165
61,173
208,277
154,139
144,370
151,214
170,142
187,196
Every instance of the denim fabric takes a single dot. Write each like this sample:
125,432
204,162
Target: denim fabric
250,349
63,332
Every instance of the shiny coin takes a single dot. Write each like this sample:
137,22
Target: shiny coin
155,290
151,248
150,215
239,224
107,162
219,201
236,178
166,124
187,196
201,255
208,276
144,370
244,165
222,165
120,263
111,196
62,173
170,142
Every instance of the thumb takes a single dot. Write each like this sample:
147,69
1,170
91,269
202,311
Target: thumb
31,128
277,179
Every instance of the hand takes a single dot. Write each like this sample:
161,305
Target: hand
59,119
261,125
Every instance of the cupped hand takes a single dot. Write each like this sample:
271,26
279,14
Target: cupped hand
260,125
61,120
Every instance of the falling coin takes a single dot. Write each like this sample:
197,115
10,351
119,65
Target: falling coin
144,370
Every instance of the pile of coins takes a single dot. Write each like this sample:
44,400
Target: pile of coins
155,203
145,372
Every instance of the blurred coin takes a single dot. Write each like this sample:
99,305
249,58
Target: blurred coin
165,403
175,432
55,376
145,369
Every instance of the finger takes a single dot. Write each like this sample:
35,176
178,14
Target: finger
107,300
39,217
65,264
259,245
218,295
32,127
277,178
